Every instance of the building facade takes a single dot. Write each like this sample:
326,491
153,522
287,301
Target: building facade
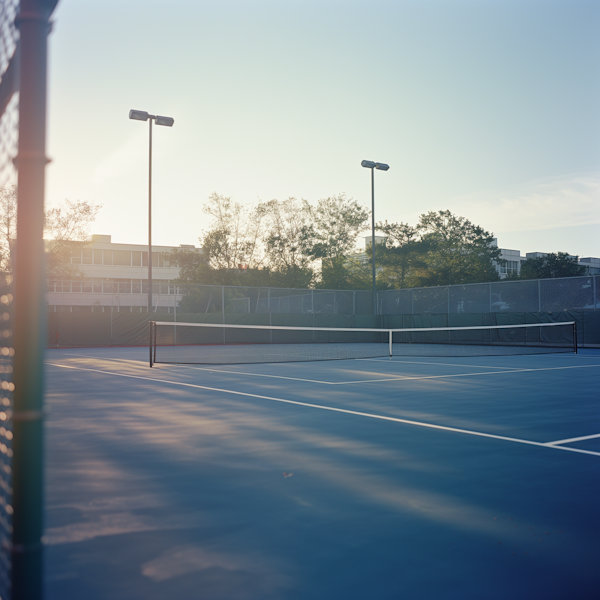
115,278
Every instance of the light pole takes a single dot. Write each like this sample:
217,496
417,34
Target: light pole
369,164
140,115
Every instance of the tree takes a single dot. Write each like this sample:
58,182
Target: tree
278,242
402,257
457,251
8,226
552,265
66,229
288,239
233,239
194,268
337,222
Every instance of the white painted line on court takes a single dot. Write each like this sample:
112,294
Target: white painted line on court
125,360
465,374
420,362
361,381
333,409
577,439
250,374
196,368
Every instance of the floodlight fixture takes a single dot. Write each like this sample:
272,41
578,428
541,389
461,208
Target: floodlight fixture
369,164
142,115
166,121
138,115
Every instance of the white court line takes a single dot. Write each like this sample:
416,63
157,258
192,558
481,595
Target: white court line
333,409
422,362
577,439
466,374
380,380
125,360
211,370
251,374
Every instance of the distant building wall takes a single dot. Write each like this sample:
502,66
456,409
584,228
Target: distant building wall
115,277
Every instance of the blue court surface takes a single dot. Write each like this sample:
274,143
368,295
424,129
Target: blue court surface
425,478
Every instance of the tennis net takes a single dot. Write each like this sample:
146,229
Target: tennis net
208,343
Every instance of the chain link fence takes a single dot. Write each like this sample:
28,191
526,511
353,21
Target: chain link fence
540,295
9,139
9,95
75,296
543,295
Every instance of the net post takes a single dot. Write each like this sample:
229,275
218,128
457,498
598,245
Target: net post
390,337
151,334
575,336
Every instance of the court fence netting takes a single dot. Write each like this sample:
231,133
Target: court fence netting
212,343
111,329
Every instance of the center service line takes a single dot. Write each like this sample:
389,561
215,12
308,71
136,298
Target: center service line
333,409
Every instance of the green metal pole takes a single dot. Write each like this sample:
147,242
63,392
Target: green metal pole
373,240
30,317
150,219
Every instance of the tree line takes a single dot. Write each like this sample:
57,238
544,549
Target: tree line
292,243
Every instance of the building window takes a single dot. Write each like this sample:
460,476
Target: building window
124,286
122,258
512,266
157,259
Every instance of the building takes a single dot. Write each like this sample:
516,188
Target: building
592,265
115,277
514,260
512,264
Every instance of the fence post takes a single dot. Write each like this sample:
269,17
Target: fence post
539,297
30,314
223,303
223,309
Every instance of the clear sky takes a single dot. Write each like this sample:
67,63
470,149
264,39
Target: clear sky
488,108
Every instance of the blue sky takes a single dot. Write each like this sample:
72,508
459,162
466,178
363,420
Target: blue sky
488,108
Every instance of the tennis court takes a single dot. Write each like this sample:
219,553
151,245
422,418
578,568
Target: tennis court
404,477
